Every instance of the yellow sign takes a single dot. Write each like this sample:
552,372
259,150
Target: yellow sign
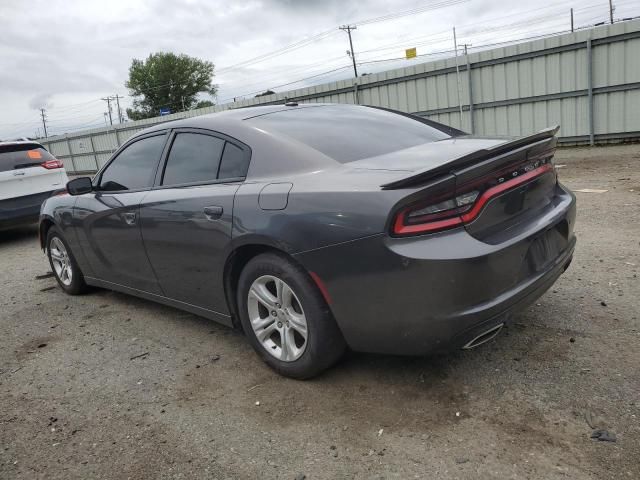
411,52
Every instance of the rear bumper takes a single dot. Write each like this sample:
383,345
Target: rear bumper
417,295
22,210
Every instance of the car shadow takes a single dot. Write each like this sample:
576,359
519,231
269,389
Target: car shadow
407,380
18,234
379,368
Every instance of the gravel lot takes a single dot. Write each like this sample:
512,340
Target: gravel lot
77,403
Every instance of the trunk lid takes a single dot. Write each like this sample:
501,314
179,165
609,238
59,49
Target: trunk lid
414,162
498,183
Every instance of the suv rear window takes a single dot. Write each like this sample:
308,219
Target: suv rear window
15,156
347,134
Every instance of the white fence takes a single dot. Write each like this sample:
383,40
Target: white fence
588,82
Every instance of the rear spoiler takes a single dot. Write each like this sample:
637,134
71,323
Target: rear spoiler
471,158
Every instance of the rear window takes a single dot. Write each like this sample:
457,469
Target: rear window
347,134
13,157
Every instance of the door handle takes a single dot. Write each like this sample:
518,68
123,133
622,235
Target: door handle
16,174
129,218
213,212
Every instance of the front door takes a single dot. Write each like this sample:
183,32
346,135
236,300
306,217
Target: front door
187,219
108,219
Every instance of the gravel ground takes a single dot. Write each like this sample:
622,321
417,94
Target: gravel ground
77,403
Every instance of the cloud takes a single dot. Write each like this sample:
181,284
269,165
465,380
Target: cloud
42,100
67,54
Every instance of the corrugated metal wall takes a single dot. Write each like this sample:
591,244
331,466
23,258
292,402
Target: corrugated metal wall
588,82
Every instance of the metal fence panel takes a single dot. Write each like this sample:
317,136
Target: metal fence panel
511,90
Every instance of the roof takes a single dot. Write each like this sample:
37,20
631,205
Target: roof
227,117
19,142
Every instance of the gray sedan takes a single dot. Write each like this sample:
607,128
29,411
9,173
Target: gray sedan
317,227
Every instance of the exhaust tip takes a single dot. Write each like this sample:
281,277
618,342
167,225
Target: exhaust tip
484,337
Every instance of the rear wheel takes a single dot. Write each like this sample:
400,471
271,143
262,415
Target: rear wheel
286,318
63,265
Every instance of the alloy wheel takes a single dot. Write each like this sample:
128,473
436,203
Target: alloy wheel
61,261
277,318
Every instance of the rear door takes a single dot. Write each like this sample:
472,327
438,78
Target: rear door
187,218
109,217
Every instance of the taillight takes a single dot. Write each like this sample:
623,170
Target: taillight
51,164
426,217
422,218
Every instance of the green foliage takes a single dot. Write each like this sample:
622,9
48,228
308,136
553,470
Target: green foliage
204,103
167,80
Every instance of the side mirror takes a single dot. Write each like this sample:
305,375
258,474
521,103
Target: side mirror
79,186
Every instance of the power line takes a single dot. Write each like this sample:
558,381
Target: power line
387,47
322,35
77,106
95,122
280,51
481,31
273,77
69,112
443,52
444,34
412,11
290,83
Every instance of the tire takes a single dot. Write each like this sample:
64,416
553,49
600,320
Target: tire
298,357
63,264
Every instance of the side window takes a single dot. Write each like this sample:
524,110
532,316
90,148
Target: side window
194,157
234,164
135,166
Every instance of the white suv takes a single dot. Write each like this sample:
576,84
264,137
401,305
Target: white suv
28,175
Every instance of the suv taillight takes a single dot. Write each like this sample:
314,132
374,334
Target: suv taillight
51,164
426,217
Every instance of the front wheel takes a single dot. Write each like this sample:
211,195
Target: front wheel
286,318
63,265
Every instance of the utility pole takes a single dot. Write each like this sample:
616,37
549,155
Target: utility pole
44,121
611,11
470,87
348,28
108,100
572,20
455,46
117,98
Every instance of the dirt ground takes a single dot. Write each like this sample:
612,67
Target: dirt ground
75,402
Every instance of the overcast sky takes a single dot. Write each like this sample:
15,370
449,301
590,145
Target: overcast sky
66,55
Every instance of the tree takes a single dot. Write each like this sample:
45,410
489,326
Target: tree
167,80
204,103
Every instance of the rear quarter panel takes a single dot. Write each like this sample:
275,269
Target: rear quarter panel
323,208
